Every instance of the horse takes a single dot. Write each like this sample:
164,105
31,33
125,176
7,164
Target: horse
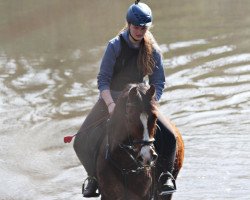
126,158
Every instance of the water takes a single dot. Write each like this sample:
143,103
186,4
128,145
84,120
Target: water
50,53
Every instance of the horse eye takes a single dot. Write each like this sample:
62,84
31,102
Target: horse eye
131,112
151,117
151,120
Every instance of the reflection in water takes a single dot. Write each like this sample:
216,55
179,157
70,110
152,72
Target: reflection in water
49,57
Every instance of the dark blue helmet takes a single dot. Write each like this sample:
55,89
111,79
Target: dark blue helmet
139,14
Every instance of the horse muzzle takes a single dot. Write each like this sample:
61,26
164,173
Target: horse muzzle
147,156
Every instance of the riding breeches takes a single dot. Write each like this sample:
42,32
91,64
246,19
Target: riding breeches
89,136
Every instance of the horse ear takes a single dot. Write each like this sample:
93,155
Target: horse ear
132,93
151,91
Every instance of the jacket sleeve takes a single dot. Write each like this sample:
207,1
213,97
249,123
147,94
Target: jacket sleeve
106,69
158,76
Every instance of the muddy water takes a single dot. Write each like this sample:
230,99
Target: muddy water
50,53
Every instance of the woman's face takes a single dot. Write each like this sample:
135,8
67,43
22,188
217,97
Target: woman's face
137,32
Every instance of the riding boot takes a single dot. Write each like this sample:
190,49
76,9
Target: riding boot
90,189
166,183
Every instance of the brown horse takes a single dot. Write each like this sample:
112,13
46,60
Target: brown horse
126,158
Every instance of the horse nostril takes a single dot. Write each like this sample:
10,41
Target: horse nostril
140,159
154,156
148,162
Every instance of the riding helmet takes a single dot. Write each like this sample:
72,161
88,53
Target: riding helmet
139,14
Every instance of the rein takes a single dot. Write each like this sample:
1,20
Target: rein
67,139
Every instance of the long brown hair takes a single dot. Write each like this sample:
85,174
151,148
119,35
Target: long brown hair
145,61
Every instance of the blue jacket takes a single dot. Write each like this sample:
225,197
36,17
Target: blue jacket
108,61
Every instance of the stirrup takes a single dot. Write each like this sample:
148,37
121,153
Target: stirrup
165,187
94,193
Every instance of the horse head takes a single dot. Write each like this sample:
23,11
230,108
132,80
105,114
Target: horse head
140,120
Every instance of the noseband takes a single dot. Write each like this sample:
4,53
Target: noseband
132,146
144,142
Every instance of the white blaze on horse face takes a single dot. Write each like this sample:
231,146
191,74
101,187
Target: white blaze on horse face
145,150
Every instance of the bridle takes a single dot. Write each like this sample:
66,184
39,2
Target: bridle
130,149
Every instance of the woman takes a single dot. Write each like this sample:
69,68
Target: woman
129,58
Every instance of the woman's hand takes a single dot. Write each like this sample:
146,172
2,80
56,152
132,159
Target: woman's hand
111,108
106,96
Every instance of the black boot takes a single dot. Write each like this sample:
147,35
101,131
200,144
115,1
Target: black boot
166,184
90,190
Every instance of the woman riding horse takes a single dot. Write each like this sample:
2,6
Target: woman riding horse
129,58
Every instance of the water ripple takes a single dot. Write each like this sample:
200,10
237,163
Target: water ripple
243,69
34,79
185,59
184,44
221,62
